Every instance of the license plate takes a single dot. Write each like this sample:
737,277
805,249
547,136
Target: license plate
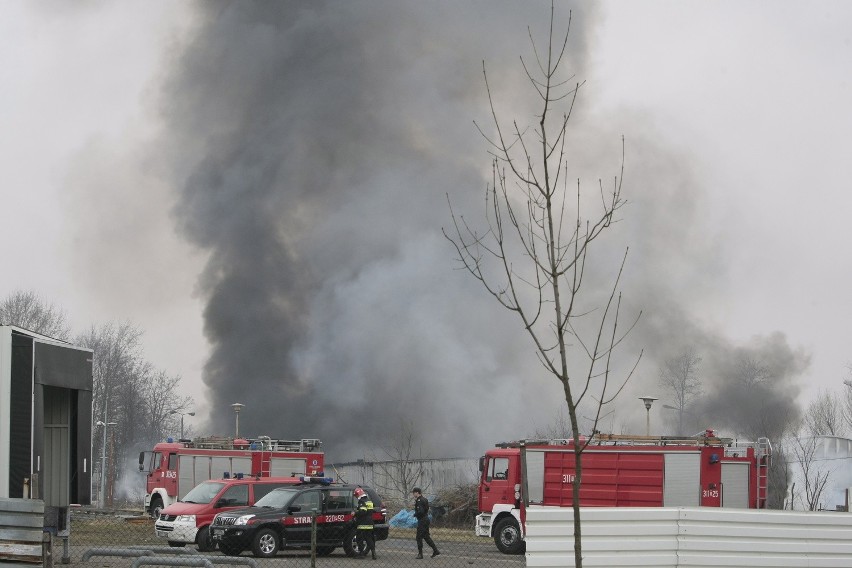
162,533
217,533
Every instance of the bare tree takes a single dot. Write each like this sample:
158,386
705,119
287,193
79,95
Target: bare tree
752,372
824,416
756,404
847,397
399,468
814,477
532,257
559,428
129,395
28,310
679,376
161,406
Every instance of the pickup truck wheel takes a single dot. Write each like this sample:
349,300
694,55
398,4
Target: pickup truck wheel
265,543
507,536
204,541
350,544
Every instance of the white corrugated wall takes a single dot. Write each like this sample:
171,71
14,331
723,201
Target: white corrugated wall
690,537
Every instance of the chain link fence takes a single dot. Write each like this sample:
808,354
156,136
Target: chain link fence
114,539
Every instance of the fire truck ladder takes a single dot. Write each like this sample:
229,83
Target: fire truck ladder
707,438
265,443
763,456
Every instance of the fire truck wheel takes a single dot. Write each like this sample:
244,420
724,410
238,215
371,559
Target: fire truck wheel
203,540
265,543
156,507
507,536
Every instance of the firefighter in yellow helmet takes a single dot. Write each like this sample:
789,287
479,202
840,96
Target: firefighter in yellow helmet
364,524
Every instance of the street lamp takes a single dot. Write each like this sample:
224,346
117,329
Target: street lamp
103,460
237,407
182,414
648,400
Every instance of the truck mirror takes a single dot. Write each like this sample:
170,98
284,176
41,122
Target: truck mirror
141,461
294,508
481,464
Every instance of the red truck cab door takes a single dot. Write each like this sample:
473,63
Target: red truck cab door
170,476
163,473
497,482
150,463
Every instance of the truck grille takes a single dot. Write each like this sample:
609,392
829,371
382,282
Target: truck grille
168,517
221,521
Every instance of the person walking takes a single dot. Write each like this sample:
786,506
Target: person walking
421,513
364,524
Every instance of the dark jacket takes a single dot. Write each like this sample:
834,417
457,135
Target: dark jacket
421,508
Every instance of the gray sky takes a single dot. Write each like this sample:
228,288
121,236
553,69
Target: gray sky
119,118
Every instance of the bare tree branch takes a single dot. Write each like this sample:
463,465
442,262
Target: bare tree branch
28,310
679,377
531,262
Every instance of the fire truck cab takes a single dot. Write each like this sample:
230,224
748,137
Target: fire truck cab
618,471
174,467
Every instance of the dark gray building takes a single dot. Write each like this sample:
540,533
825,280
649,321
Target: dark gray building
45,421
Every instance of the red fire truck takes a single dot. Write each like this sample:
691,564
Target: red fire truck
618,471
175,467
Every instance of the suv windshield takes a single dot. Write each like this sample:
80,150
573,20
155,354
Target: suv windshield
203,493
278,498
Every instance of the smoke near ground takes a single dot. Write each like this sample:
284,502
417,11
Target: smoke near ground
311,146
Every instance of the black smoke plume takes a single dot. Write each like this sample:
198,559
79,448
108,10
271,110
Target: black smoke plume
312,146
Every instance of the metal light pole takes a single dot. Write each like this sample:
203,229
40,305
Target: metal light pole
182,414
237,407
648,400
104,458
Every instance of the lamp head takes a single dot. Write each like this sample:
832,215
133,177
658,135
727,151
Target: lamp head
648,400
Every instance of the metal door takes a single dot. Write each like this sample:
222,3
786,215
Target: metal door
682,485
735,484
